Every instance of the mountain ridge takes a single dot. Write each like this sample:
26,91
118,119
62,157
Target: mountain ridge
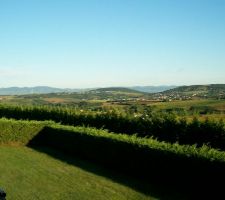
212,89
30,90
116,89
46,89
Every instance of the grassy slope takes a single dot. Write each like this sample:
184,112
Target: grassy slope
28,174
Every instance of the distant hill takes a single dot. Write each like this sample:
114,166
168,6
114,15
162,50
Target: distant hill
32,90
213,88
47,90
153,89
116,89
200,91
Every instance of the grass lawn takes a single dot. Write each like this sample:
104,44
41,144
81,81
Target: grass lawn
29,174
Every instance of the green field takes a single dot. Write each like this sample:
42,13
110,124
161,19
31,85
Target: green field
123,102
201,108
216,104
29,174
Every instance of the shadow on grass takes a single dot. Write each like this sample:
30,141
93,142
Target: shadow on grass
151,189
154,173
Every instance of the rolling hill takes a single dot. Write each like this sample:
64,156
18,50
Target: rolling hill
193,91
116,90
199,89
38,90
152,89
30,90
47,90
182,92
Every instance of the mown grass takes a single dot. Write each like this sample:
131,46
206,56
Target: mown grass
31,175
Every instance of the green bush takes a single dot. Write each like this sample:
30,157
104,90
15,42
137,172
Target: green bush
164,127
18,131
64,137
181,165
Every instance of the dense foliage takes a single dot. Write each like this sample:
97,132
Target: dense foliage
17,131
164,127
184,166
29,132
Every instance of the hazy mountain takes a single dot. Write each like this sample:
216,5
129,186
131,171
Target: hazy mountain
211,90
153,89
33,90
116,89
46,90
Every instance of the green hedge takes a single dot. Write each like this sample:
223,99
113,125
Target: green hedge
72,139
170,166
24,131
162,127
183,167
18,131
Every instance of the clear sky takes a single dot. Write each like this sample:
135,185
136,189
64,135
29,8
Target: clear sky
98,43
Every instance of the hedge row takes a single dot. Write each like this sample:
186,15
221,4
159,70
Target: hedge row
161,127
18,131
182,166
24,131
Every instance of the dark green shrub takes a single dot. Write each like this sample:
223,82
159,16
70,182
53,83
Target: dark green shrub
164,127
184,167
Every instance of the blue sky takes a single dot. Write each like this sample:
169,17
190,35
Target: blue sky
98,43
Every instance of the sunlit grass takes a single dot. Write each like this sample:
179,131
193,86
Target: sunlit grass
28,174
